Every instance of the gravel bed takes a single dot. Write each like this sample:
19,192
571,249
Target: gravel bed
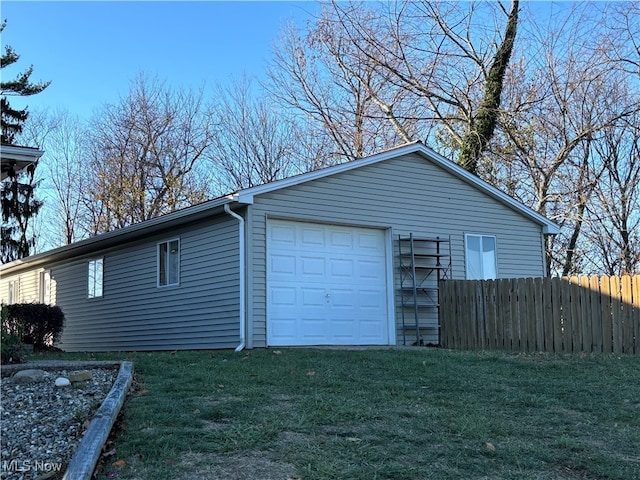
42,424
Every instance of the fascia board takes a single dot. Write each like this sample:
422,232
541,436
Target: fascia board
14,152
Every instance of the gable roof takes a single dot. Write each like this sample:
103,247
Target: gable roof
246,197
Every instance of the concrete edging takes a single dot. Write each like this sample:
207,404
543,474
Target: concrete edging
88,452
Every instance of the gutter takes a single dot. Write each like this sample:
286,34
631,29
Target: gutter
243,323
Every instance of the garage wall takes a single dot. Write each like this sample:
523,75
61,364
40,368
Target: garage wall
406,194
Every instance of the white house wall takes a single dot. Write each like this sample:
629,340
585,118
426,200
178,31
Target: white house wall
407,195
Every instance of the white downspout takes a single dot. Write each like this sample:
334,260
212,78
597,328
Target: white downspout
242,275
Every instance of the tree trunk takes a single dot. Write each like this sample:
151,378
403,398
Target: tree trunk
481,129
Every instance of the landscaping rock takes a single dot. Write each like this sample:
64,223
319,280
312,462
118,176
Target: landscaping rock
29,376
81,376
62,382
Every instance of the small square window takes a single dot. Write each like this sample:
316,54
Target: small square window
95,278
169,263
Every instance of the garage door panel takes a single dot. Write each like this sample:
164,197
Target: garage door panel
342,239
313,297
343,330
313,329
282,234
282,297
370,330
341,267
334,292
369,271
283,265
283,330
371,300
370,243
312,266
312,236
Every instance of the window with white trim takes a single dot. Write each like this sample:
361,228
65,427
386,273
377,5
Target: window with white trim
480,253
95,277
169,263
14,292
45,287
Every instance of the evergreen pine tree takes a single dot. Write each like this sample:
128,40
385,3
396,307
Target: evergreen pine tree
19,204
12,119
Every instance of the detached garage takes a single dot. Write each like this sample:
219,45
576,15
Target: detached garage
315,259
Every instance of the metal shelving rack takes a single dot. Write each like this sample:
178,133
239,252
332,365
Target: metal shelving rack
424,262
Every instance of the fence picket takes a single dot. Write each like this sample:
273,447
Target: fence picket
627,315
537,318
558,331
636,313
585,307
547,302
491,314
605,307
595,318
616,315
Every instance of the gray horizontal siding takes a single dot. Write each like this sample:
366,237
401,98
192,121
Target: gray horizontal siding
407,195
135,314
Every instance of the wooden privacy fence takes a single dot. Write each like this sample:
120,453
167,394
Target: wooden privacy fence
564,315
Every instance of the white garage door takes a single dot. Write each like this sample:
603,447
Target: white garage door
326,285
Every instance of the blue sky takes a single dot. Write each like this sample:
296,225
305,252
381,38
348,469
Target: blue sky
92,50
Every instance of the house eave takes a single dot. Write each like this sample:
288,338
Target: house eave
118,237
17,157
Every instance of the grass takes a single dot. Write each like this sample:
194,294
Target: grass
374,414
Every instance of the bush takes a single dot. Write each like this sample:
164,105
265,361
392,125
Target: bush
34,323
11,348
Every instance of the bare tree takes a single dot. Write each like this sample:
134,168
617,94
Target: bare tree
63,138
560,104
319,79
440,72
614,219
144,155
253,144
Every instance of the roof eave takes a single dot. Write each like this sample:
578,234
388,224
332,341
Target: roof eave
117,237
17,157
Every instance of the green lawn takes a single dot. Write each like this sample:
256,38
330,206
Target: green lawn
379,414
